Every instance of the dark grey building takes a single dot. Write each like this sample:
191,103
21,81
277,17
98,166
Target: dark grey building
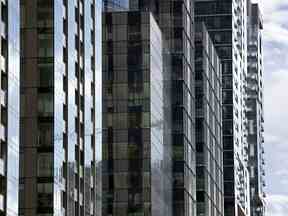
61,104
136,158
10,105
176,22
178,26
209,157
255,112
226,22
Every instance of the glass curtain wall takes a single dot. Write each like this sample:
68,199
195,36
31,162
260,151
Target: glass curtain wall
209,160
136,174
61,107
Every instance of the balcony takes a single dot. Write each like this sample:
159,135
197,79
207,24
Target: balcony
2,167
81,199
2,133
81,144
1,203
2,64
91,181
75,195
2,29
2,98
91,208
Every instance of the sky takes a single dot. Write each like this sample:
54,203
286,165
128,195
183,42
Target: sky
275,13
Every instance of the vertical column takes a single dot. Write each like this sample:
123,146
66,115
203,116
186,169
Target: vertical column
97,103
71,103
13,106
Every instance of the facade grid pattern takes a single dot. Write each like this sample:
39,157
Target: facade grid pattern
226,22
209,158
136,173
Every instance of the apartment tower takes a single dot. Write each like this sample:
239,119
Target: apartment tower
255,112
226,22
61,107
10,106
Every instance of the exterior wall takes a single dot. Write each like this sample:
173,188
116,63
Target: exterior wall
135,171
60,107
115,5
255,111
10,104
176,21
209,159
226,22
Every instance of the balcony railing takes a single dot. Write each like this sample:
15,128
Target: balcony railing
2,167
2,98
1,202
2,133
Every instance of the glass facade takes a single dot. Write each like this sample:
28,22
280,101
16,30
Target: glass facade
209,157
176,21
255,111
61,107
226,21
136,156
115,5
10,105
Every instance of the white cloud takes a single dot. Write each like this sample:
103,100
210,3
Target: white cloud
277,205
276,32
275,18
276,103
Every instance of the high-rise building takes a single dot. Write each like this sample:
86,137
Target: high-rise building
208,95
10,105
255,111
61,107
226,21
136,157
176,22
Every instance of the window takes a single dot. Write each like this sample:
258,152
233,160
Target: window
45,14
228,174
45,45
46,72
227,97
45,104
45,165
45,134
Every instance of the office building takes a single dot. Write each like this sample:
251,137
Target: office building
255,113
136,158
60,107
208,95
10,105
226,22
176,22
